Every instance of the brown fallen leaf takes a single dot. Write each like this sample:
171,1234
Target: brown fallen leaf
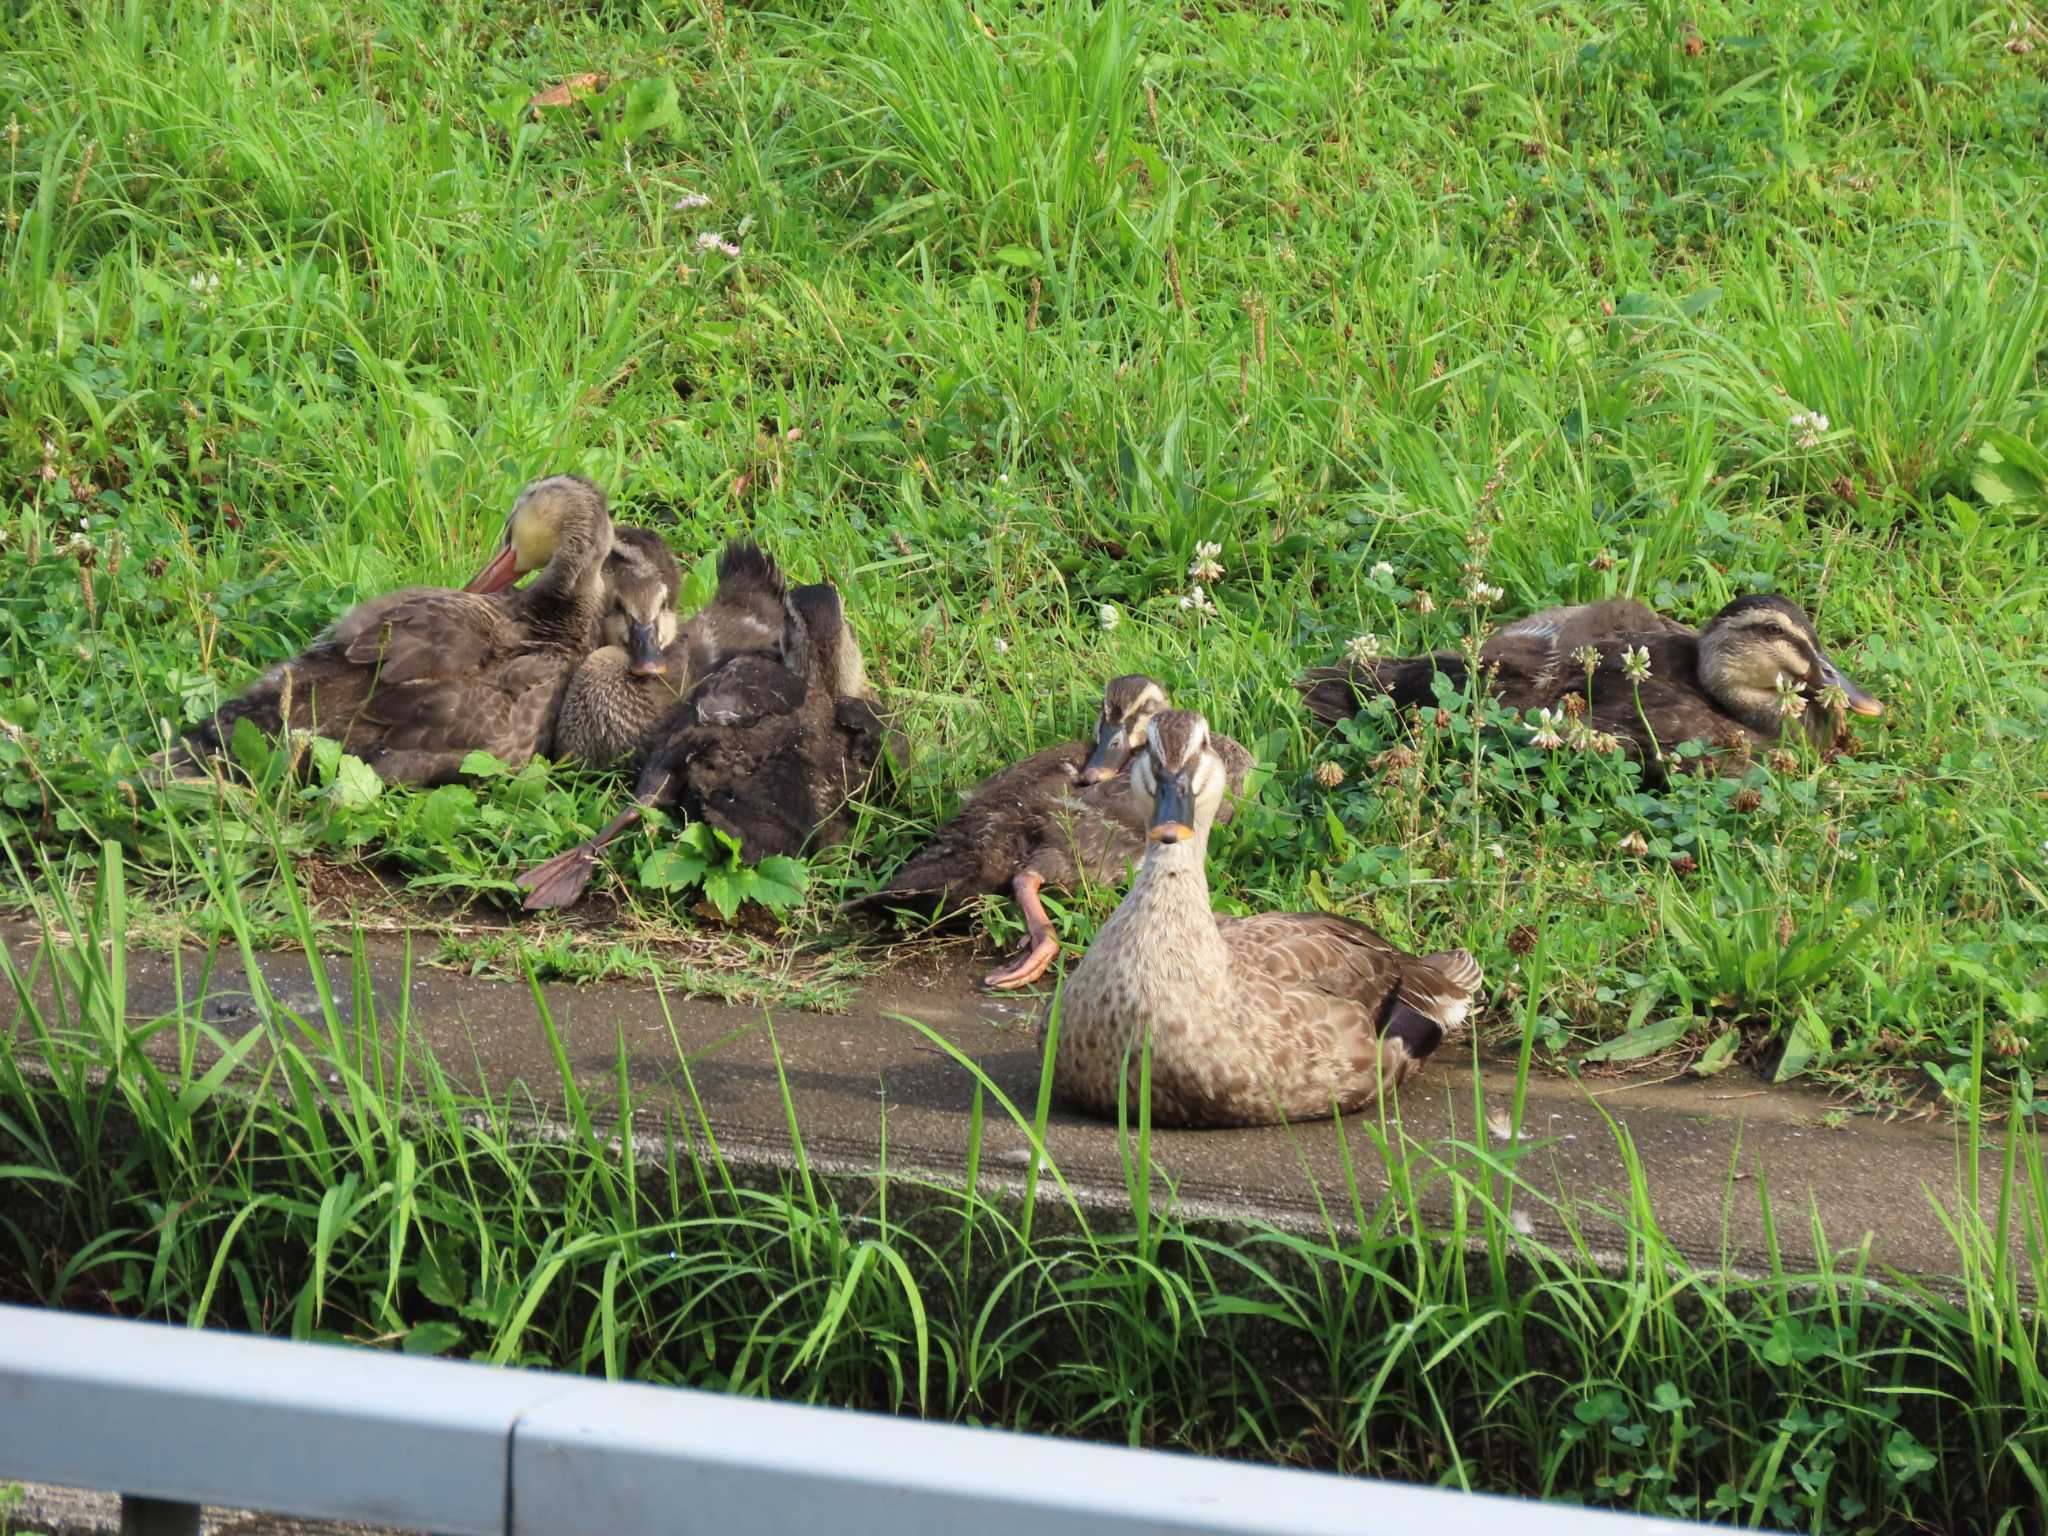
565,92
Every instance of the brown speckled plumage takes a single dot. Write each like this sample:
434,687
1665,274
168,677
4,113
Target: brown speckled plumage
1717,685
611,710
1058,817
770,746
1282,1016
414,681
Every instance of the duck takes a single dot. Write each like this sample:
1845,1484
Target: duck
1756,671
1281,1016
620,693
414,681
771,744
1055,818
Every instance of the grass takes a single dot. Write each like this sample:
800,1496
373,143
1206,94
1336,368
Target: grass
321,1178
1034,298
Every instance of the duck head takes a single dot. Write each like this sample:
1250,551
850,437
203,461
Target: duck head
642,576
1129,705
1762,661
558,523
1179,777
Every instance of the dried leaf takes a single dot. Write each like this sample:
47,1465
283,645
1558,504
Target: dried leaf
565,92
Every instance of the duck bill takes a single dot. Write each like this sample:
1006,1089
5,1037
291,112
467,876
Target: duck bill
499,574
1173,813
1110,755
644,657
1859,701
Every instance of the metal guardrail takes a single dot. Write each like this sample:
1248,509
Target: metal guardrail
173,1418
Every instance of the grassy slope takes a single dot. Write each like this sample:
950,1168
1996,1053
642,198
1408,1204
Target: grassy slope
293,297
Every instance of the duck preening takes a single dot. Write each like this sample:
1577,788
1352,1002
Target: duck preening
1248,1021
1057,817
414,681
772,742
620,693
1756,670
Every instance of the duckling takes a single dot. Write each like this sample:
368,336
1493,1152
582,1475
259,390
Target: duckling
1756,669
771,744
1056,817
1281,1016
414,681
621,691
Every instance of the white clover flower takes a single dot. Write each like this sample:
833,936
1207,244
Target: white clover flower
1329,774
1205,567
1834,699
1635,662
1588,658
1424,603
1363,650
1791,702
1197,602
1482,594
204,282
1382,571
712,240
1108,616
1543,734
1002,646
690,201
1809,426
1606,743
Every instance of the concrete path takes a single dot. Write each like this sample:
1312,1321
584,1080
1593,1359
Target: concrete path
1707,1149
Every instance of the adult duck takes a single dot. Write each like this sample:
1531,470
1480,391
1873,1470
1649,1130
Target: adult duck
414,681
1618,671
770,746
1050,821
1251,1020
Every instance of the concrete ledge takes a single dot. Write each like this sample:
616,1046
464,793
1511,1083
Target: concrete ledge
1705,1149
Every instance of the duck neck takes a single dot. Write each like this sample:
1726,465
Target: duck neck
572,582
1167,919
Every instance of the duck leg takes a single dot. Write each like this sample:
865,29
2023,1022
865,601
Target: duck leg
560,881
1043,943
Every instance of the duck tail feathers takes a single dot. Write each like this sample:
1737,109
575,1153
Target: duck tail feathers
746,570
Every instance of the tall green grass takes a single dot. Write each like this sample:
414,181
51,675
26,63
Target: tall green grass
321,1177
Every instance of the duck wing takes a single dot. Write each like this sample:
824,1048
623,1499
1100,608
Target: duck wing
1000,823
423,632
419,732
1416,999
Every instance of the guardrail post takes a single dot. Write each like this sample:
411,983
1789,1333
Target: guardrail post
157,1517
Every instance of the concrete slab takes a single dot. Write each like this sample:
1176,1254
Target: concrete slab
1706,1149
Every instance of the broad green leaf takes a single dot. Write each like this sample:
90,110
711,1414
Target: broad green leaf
355,784
435,1338
779,883
481,765
650,104
251,748
671,869
444,810
1719,1054
725,889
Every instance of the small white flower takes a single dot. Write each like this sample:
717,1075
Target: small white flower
1205,567
204,282
1588,657
1382,570
1002,646
1197,602
1791,702
1363,650
1635,662
1543,734
1002,479
1108,616
691,200
1329,774
1835,699
707,239
1809,426
1424,603
1482,594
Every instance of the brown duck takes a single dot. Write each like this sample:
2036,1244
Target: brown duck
621,692
771,745
1251,1020
414,681
1057,817
1755,670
